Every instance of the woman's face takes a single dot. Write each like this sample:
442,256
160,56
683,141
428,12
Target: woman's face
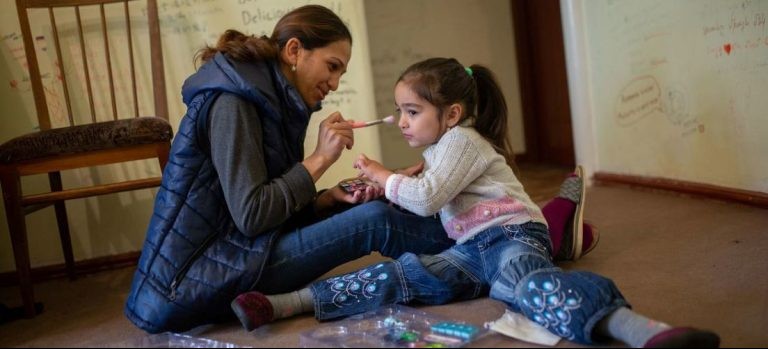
318,71
419,120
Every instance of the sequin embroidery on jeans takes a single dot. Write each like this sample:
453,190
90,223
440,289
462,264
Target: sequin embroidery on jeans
519,236
354,286
551,306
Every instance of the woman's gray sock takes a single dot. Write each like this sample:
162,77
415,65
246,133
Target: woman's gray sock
292,303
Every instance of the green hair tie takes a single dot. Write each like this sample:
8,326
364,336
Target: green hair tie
469,70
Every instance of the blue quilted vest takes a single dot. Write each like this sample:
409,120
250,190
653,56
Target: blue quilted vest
194,260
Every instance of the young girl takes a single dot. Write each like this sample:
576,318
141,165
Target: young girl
503,246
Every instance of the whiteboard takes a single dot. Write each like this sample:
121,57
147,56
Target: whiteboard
680,89
115,224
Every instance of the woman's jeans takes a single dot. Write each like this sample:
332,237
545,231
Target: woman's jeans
512,262
303,254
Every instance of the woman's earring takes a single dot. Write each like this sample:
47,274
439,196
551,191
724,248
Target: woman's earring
293,68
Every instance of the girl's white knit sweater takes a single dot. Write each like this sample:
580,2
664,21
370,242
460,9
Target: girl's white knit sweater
468,182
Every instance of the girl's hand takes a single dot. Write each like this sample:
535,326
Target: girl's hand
372,169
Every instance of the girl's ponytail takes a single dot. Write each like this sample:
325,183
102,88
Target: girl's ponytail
491,121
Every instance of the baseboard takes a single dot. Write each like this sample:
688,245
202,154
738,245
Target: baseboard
753,198
83,267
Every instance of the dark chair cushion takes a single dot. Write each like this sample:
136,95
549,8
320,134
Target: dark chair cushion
83,138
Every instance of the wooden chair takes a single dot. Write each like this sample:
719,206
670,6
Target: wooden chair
101,139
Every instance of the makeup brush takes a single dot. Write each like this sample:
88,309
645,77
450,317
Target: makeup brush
389,120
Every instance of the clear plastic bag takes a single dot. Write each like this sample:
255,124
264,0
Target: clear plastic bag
174,340
393,326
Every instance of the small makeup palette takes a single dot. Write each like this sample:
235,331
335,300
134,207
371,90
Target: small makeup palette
352,185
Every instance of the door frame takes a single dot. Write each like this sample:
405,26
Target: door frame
527,48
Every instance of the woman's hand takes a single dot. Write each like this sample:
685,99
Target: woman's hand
333,196
370,192
334,135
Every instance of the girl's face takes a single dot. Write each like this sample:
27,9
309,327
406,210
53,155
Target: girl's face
420,121
319,71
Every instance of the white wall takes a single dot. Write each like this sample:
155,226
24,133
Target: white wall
402,32
671,89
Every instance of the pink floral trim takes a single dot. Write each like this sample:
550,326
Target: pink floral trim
484,212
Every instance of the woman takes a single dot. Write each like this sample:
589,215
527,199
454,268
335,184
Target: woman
238,210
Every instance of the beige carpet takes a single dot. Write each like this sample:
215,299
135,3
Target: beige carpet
678,259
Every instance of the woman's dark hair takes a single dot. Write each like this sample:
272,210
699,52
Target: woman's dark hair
314,26
444,81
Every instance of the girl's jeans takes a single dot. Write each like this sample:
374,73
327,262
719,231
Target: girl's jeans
512,262
301,255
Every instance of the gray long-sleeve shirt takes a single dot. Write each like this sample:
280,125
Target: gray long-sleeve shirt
256,203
